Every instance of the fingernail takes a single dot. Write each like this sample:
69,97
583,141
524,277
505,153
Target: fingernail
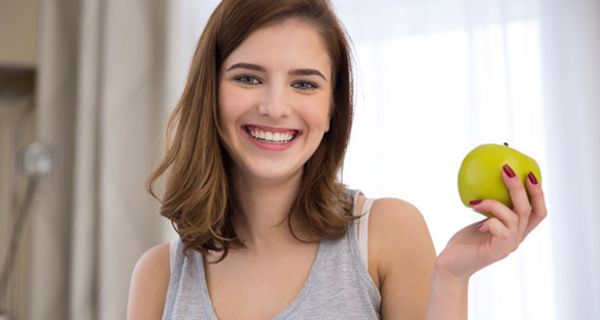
474,202
532,178
479,225
509,171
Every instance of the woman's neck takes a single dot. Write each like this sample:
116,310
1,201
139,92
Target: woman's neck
262,210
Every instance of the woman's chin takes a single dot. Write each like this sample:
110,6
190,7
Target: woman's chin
269,175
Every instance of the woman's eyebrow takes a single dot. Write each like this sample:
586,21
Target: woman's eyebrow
307,72
296,72
250,66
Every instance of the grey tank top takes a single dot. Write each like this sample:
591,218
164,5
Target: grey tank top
338,285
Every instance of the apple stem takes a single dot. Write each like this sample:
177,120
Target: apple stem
506,144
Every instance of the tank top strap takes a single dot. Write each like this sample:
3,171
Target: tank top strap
361,225
363,231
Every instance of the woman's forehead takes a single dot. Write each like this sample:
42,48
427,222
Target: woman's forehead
291,43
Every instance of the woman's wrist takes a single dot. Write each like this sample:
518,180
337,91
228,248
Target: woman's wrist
442,272
448,296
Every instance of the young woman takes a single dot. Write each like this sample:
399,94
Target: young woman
266,229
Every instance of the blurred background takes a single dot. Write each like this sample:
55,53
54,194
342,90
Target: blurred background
86,86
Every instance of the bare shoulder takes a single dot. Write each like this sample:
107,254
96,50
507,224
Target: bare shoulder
396,222
149,284
399,213
401,248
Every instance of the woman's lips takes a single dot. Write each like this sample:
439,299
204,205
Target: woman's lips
271,138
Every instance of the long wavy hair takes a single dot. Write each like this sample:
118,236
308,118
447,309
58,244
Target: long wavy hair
196,167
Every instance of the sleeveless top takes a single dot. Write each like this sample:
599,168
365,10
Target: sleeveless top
338,285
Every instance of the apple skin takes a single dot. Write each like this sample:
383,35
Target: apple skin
480,174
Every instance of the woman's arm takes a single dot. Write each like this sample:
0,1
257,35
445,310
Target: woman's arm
149,284
401,250
448,296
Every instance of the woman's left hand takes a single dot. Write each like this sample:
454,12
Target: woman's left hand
481,244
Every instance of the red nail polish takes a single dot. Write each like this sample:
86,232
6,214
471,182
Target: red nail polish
509,171
532,178
474,202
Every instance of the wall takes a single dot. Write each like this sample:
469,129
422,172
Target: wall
18,32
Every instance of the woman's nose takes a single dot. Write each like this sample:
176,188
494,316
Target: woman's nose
275,102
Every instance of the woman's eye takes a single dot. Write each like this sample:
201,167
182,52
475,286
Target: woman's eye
304,85
247,80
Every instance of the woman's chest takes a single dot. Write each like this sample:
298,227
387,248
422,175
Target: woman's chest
258,289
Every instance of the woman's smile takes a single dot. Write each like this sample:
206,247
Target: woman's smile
271,138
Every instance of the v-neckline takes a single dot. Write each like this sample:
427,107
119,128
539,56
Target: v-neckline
210,311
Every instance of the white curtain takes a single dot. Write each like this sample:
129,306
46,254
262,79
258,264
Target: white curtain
571,72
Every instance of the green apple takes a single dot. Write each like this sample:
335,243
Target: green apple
480,174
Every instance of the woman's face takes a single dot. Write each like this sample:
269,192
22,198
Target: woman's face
274,99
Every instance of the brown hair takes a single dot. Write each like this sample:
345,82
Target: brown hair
197,197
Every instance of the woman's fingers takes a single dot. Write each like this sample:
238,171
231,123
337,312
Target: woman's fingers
495,227
503,226
499,211
518,195
503,241
538,202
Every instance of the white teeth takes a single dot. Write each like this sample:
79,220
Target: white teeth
278,137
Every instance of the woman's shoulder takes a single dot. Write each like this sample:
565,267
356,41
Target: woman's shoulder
390,214
155,259
396,214
149,283
395,225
